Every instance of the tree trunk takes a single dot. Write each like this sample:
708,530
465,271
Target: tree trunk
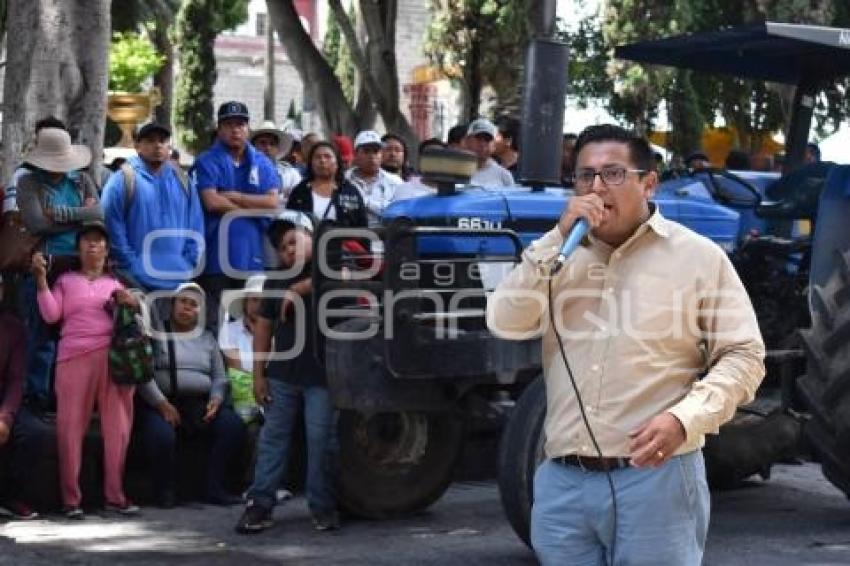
473,83
87,104
378,69
380,21
164,78
335,112
58,68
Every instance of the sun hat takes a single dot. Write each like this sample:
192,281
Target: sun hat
54,152
284,138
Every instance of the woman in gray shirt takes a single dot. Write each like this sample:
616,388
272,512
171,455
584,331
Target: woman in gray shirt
185,400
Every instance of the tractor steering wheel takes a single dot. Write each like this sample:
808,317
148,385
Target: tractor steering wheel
722,195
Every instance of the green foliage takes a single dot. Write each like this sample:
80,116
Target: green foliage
198,23
634,92
683,110
480,42
337,54
132,60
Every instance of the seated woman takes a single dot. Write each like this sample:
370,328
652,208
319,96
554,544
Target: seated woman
79,302
185,400
236,340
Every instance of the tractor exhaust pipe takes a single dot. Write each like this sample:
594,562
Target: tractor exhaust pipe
544,99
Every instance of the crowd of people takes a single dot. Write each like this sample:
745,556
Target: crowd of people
152,234
154,239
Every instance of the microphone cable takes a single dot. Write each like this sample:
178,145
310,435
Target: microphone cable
584,418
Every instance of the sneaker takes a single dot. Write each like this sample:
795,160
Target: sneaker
325,520
73,513
283,495
127,509
22,512
255,519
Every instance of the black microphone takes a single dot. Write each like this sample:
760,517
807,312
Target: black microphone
571,242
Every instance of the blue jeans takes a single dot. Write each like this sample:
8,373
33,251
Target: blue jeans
276,438
226,434
41,348
662,514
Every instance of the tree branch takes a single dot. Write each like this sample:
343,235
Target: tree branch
314,71
357,54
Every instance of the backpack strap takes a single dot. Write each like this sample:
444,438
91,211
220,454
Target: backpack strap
181,176
129,185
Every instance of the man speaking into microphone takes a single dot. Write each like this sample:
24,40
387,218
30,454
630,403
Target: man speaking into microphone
649,343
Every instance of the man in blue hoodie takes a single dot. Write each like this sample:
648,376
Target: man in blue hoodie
150,194
232,178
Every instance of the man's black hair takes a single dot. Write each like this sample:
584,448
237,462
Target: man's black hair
457,133
738,160
815,149
406,170
570,136
50,122
509,128
695,156
639,149
430,142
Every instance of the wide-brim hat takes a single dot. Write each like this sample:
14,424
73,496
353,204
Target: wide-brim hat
253,286
54,152
269,128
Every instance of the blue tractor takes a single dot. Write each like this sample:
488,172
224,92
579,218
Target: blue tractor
410,360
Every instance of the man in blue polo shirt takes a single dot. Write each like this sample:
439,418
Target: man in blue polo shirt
233,176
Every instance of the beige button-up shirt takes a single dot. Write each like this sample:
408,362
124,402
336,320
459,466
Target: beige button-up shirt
661,323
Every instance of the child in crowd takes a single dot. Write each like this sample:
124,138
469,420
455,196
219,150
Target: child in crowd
283,385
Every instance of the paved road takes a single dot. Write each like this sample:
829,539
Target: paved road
796,518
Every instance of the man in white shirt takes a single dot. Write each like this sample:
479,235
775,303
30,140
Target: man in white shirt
480,140
376,185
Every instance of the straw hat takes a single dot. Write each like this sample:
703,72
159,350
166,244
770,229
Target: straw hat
55,153
284,139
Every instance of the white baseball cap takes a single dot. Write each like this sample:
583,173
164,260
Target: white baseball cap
367,137
482,126
235,300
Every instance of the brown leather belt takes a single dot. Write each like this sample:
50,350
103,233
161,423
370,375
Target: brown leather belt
592,464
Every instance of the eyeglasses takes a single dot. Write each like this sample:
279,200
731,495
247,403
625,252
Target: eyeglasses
611,176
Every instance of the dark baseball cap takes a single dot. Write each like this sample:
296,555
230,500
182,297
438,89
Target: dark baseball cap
233,109
146,129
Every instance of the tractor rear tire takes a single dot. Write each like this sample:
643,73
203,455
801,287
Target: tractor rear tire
825,388
520,452
396,464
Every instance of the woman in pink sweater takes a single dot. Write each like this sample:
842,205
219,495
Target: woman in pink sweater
78,302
